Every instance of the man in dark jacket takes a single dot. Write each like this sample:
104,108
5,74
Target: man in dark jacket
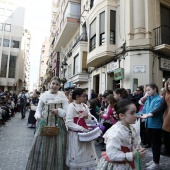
93,95
23,103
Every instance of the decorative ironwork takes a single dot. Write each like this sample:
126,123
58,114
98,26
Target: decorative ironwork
162,35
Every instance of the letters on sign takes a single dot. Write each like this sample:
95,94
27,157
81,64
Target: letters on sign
164,64
139,69
112,66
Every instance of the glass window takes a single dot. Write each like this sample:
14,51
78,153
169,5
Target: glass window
91,3
0,41
102,28
93,35
12,64
6,43
1,26
2,11
15,44
9,13
76,66
72,10
93,43
7,27
112,26
4,65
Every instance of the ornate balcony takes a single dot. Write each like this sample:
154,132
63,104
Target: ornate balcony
162,39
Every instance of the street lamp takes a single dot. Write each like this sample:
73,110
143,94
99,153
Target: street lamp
64,68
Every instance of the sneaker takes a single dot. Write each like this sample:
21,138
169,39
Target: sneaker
153,166
149,163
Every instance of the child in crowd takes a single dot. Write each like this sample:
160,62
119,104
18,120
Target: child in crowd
70,100
93,109
154,124
120,94
79,155
108,117
122,140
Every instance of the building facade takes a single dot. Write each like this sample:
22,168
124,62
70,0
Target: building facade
43,69
12,56
113,43
24,71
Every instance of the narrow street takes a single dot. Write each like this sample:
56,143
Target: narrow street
15,143
16,140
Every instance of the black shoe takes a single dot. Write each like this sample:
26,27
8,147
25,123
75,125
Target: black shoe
147,146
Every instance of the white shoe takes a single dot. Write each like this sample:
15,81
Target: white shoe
153,166
149,163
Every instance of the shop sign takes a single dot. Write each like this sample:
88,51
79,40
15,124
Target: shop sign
139,68
112,66
119,74
164,64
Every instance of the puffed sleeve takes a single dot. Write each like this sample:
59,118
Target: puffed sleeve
69,119
62,112
39,109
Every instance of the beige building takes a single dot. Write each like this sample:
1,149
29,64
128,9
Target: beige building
43,69
113,43
12,54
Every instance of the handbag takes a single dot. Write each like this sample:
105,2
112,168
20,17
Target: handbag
33,107
90,135
50,130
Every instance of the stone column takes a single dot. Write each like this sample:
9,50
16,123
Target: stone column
139,19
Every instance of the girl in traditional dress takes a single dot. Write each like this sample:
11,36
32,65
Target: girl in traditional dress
34,103
122,140
49,152
79,155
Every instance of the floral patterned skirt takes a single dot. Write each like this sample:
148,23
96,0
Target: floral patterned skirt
48,153
105,165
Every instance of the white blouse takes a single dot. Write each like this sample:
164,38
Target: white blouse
119,135
73,111
48,97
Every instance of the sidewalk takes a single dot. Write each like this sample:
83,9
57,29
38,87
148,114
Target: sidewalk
16,140
15,143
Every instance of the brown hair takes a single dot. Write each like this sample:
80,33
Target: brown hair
123,93
55,79
166,87
111,99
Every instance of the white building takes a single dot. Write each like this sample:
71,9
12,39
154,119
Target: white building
11,32
113,43
43,62
24,71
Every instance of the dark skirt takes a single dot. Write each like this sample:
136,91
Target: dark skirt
31,119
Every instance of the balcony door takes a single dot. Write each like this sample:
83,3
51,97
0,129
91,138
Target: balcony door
165,16
165,25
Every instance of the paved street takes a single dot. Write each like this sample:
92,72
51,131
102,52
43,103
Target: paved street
16,140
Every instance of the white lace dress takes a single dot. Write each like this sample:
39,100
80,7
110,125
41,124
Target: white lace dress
116,137
79,155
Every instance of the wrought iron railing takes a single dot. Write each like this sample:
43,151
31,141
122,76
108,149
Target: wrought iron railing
83,37
162,35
